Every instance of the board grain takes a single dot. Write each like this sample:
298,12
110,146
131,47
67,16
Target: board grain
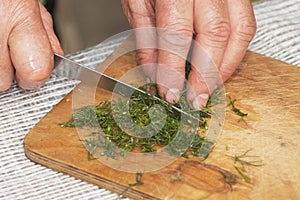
267,89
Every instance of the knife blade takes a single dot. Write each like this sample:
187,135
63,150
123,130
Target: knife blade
64,67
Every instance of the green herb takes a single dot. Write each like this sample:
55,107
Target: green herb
241,161
176,177
138,181
131,136
90,157
236,110
227,148
83,117
243,173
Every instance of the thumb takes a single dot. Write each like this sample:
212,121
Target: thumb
30,48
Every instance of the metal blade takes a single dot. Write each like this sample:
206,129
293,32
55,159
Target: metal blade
65,67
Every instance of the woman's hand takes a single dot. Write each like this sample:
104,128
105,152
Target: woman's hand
27,43
222,28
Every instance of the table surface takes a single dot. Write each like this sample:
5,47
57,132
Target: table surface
278,36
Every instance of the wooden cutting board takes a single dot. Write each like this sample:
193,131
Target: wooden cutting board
267,89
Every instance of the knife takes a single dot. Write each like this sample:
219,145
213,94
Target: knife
64,67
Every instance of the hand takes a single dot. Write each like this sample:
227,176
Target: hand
222,28
27,43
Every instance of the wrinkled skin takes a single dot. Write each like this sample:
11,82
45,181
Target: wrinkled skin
223,28
27,43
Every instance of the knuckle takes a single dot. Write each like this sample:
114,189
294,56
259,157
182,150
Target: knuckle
175,40
23,10
245,29
181,27
227,70
217,30
23,14
145,56
227,73
138,13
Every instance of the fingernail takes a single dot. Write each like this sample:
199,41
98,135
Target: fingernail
200,101
215,88
148,81
173,95
150,86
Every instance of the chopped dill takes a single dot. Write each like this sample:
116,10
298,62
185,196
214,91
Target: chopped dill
235,109
138,181
135,114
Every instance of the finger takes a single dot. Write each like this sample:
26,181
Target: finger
141,17
30,49
6,68
174,20
242,32
147,52
48,25
212,27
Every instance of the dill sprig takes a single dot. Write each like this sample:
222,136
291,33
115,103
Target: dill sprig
138,181
240,161
236,110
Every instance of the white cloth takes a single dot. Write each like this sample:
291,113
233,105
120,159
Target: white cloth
278,36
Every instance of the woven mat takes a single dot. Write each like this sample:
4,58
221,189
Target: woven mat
278,36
